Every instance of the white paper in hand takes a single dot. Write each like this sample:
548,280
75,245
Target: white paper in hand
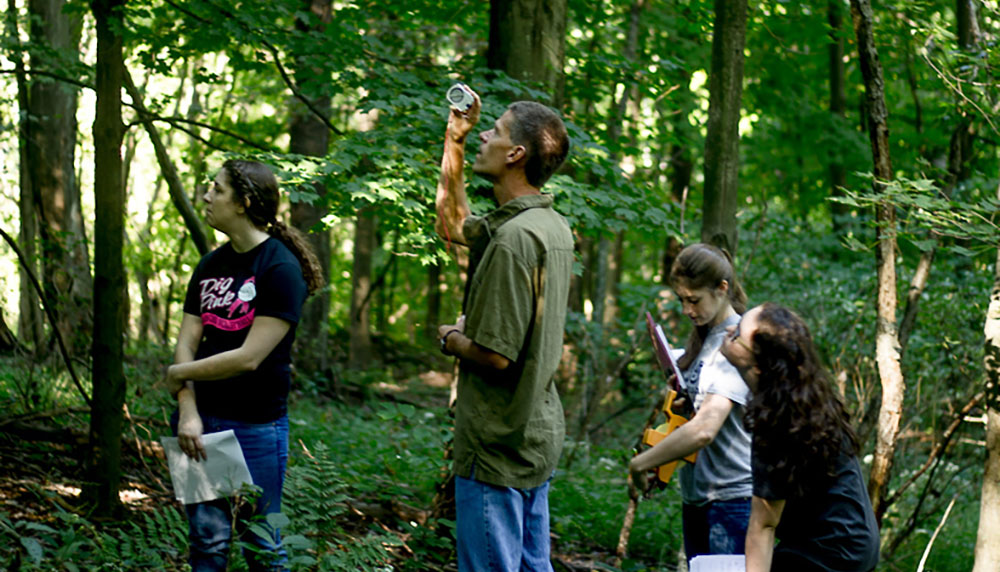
220,475
718,563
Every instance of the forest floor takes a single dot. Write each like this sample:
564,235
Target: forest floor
41,476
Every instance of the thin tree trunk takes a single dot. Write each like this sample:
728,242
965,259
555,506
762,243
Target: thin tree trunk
722,160
8,342
578,282
31,323
681,170
988,537
433,301
149,304
104,459
616,128
50,160
886,339
176,187
310,136
360,355
838,108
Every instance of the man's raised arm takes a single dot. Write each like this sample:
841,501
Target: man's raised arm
452,203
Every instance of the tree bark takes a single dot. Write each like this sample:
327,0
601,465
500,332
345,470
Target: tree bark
616,128
886,338
104,460
54,190
310,136
968,27
528,42
8,342
433,317
839,212
988,537
360,355
722,160
31,323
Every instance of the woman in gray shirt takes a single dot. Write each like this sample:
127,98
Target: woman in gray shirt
716,489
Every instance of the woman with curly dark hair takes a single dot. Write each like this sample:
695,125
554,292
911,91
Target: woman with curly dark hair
808,490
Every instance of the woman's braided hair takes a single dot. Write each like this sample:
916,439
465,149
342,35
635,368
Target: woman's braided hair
256,186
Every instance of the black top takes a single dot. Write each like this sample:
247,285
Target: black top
830,528
227,291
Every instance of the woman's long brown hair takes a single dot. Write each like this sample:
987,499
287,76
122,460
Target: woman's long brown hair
799,424
255,181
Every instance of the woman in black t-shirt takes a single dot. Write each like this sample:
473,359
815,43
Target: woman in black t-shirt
808,489
232,362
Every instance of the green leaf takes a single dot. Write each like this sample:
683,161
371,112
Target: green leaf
33,547
277,520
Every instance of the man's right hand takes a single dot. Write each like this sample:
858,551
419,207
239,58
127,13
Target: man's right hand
460,123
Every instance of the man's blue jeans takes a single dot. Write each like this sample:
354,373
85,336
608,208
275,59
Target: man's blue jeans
501,529
719,527
265,448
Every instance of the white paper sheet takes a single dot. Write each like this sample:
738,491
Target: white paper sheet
719,563
220,475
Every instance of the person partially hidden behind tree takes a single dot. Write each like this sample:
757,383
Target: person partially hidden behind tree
808,490
509,420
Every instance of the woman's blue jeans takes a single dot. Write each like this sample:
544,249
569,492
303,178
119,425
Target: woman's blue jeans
265,448
501,529
718,527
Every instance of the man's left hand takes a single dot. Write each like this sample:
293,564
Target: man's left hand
443,329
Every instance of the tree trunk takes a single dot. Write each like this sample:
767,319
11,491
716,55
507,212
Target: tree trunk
433,301
988,537
681,168
616,128
361,278
722,160
8,343
174,184
31,322
886,338
528,42
104,459
310,136
50,161
968,27
839,212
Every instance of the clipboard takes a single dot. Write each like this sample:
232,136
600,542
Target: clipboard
662,350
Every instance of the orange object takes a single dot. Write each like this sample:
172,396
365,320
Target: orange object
653,436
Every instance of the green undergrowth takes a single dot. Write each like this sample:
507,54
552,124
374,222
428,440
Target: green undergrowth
588,502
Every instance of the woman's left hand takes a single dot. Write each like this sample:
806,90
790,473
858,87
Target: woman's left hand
174,384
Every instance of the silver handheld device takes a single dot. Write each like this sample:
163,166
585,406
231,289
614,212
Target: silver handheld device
460,97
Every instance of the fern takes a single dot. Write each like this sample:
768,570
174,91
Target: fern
158,541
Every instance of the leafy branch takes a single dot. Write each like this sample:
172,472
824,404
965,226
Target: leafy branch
275,56
929,208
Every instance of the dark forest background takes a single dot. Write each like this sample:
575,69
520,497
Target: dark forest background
845,152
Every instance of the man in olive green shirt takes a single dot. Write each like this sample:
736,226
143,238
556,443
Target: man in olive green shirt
509,421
